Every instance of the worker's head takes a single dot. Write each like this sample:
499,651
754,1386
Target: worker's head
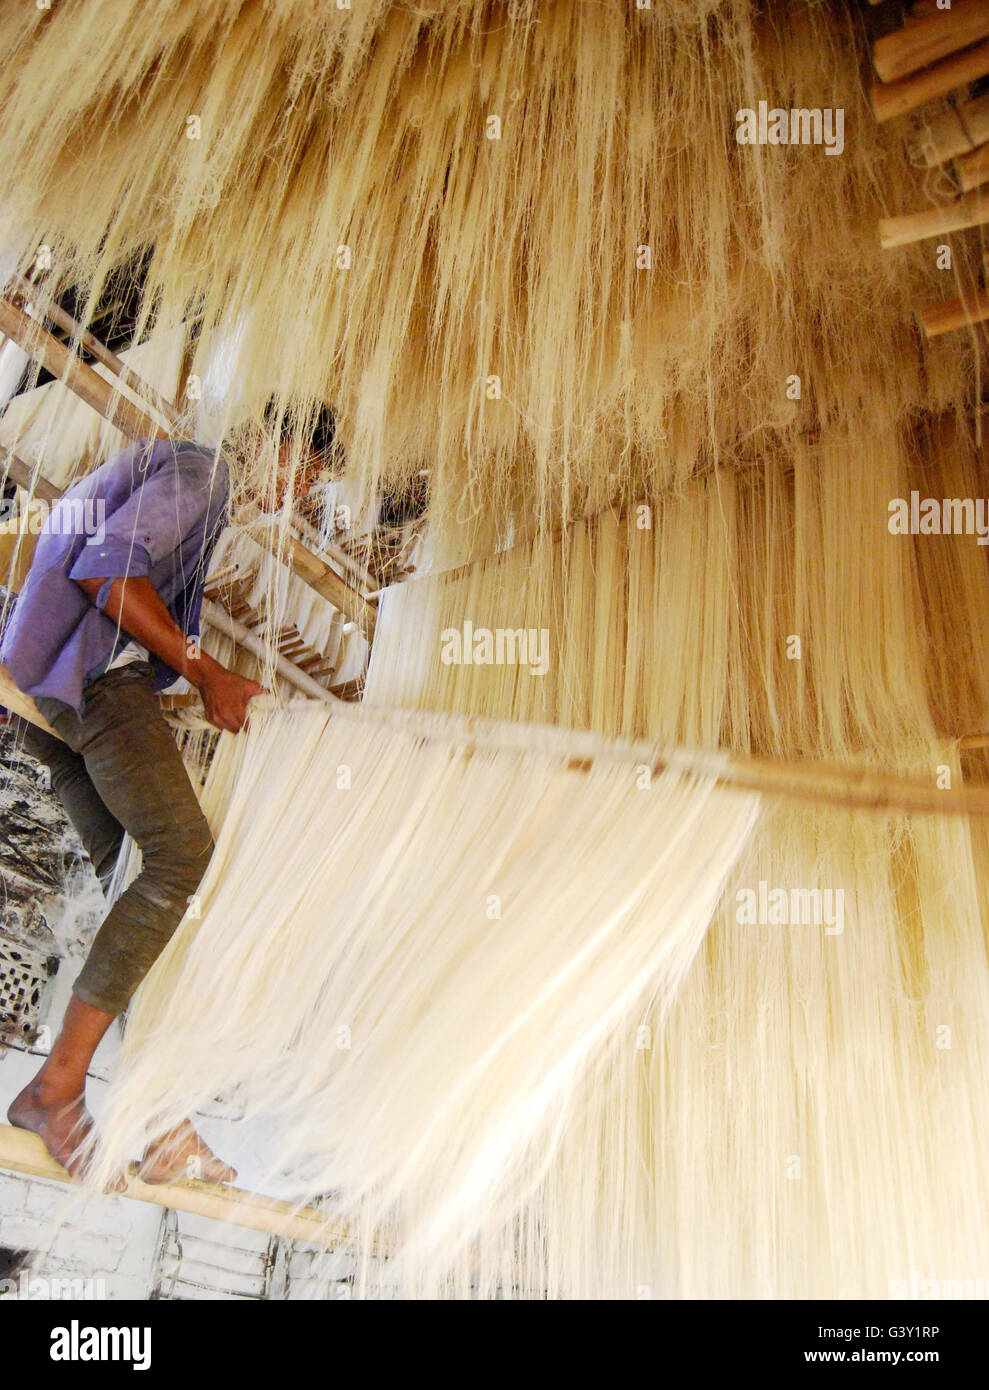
307,451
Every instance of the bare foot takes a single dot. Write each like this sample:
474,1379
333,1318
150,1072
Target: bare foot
181,1153
64,1125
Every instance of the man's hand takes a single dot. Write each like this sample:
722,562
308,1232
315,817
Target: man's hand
136,605
225,697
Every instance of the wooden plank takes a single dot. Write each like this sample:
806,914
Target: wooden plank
970,210
889,99
929,39
955,313
23,1152
16,554
78,376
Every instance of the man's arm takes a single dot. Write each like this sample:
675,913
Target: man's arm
137,606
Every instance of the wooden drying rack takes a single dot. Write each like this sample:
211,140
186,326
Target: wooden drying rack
137,420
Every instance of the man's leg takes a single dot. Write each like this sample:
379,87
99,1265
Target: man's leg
100,832
136,769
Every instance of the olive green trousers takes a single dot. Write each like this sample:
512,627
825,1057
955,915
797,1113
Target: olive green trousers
119,770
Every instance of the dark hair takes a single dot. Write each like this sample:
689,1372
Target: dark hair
322,426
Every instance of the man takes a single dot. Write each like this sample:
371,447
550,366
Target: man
103,623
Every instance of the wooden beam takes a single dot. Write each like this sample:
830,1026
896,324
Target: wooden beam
970,210
953,132
891,99
30,479
23,1152
930,39
78,376
57,315
955,313
320,576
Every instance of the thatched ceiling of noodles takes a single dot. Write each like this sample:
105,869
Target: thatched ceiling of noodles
346,226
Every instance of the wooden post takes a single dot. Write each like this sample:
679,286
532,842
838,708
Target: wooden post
955,313
29,290
970,210
930,39
891,99
48,352
23,1152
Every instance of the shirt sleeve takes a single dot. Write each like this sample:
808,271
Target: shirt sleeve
151,524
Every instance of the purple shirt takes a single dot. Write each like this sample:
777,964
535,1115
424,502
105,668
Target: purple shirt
156,510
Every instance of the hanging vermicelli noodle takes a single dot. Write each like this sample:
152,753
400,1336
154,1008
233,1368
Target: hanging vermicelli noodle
407,979
808,1121
345,228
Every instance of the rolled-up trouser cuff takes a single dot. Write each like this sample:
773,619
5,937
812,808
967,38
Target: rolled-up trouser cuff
97,1000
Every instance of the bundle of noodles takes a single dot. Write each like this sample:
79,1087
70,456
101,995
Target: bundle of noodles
406,978
807,1121
517,244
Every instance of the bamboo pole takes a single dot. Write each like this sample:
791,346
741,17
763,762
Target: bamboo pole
970,210
973,741
953,132
973,168
955,313
929,39
242,635
834,785
352,570
891,99
100,351
78,376
24,1152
